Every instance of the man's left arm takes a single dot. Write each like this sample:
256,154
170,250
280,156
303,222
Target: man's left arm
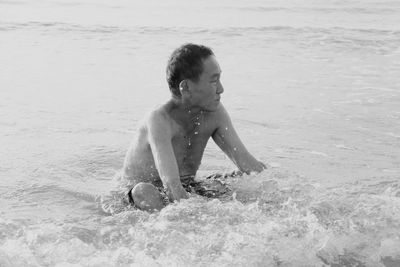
228,140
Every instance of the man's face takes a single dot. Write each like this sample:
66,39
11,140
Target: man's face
205,93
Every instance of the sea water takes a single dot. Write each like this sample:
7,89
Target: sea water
313,89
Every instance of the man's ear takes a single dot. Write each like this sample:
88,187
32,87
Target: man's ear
183,87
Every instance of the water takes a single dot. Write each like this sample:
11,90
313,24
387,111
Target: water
313,88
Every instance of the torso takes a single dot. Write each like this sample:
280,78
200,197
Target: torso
188,143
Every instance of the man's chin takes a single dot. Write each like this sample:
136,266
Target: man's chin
212,108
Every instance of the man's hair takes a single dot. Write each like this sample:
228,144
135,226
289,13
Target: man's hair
186,62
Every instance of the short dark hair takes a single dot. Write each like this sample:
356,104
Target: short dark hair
186,62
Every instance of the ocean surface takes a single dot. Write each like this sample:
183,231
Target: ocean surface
313,88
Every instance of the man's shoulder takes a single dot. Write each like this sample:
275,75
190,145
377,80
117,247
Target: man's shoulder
158,119
219,115
158,114
217,119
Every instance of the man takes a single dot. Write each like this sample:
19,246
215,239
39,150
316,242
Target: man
170,143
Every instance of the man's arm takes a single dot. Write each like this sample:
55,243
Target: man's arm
160,139
228,140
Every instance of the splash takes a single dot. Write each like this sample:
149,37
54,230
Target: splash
271,219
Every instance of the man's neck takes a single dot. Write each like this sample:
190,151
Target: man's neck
184,111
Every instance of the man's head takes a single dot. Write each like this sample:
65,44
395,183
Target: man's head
186,62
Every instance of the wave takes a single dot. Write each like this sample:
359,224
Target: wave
380,40
324,10
156,29
46,192
272,219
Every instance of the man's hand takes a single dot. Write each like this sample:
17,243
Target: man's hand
176,192
253,166
259,166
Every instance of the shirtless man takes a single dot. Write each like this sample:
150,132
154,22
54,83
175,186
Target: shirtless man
171,141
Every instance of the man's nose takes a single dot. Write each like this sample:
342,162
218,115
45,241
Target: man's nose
220,88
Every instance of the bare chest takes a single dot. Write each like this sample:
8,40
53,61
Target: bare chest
189,144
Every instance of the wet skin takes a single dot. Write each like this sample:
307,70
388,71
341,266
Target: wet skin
171,140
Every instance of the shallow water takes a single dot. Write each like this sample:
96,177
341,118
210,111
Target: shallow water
312,87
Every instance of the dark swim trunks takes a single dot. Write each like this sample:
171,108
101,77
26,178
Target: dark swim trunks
213,186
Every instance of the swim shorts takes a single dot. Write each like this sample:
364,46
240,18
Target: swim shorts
213,186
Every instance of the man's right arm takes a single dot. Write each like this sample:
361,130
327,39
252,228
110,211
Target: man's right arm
160,140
